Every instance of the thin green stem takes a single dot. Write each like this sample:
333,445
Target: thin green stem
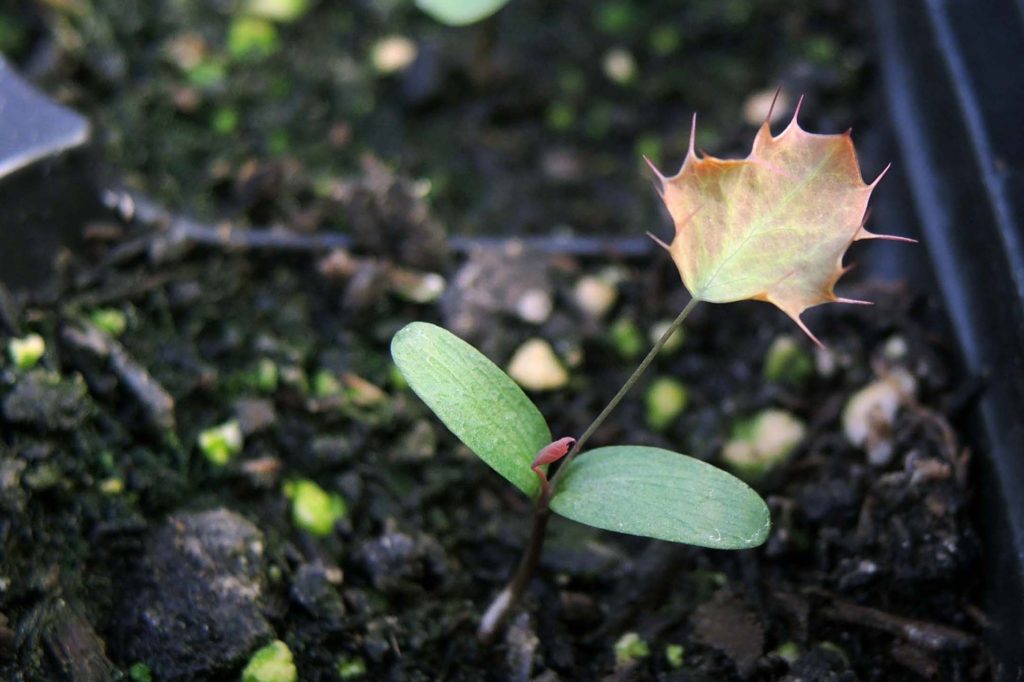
630,382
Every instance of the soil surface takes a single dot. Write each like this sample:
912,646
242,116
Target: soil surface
127,551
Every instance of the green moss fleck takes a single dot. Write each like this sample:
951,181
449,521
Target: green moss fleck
272,663
627,339
266,375
314,509
110,320
665,40
787,362
325,384
666,399
630,648
351,668
225,121
26,351
252,38
220,443
278,10
788,651
560,116
674,655
139,672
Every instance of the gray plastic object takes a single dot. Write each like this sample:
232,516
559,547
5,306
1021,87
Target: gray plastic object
47,190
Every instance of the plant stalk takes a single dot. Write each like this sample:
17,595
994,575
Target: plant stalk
494,616
502,605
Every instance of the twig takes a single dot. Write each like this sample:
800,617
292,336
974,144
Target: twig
930,636
177,233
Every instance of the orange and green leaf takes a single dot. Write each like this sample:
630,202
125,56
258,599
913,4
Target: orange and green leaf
773,226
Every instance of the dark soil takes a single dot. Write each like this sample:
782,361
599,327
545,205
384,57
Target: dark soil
122,544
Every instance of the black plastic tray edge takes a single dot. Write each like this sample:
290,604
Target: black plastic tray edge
952,123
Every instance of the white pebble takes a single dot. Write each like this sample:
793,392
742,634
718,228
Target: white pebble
535,366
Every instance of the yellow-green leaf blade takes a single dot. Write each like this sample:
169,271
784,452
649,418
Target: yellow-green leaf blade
477,401
661,494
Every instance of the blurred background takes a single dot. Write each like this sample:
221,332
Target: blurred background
532,121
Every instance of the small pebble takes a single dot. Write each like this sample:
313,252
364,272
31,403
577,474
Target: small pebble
674,342
870,412
393,54
619,66
419,288
534,306
895,349
757,106
595,296
764,442
535,366
361,392
254,415
284,11
186,50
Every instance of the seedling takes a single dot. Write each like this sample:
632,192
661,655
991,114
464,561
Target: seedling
771,227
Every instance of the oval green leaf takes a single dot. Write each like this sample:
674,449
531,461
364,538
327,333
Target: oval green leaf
477,401
460,12
661,494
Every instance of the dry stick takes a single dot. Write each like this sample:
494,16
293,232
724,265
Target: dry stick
508,597
180,230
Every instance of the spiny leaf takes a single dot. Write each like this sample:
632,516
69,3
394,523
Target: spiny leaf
773,226
661,494
481,405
